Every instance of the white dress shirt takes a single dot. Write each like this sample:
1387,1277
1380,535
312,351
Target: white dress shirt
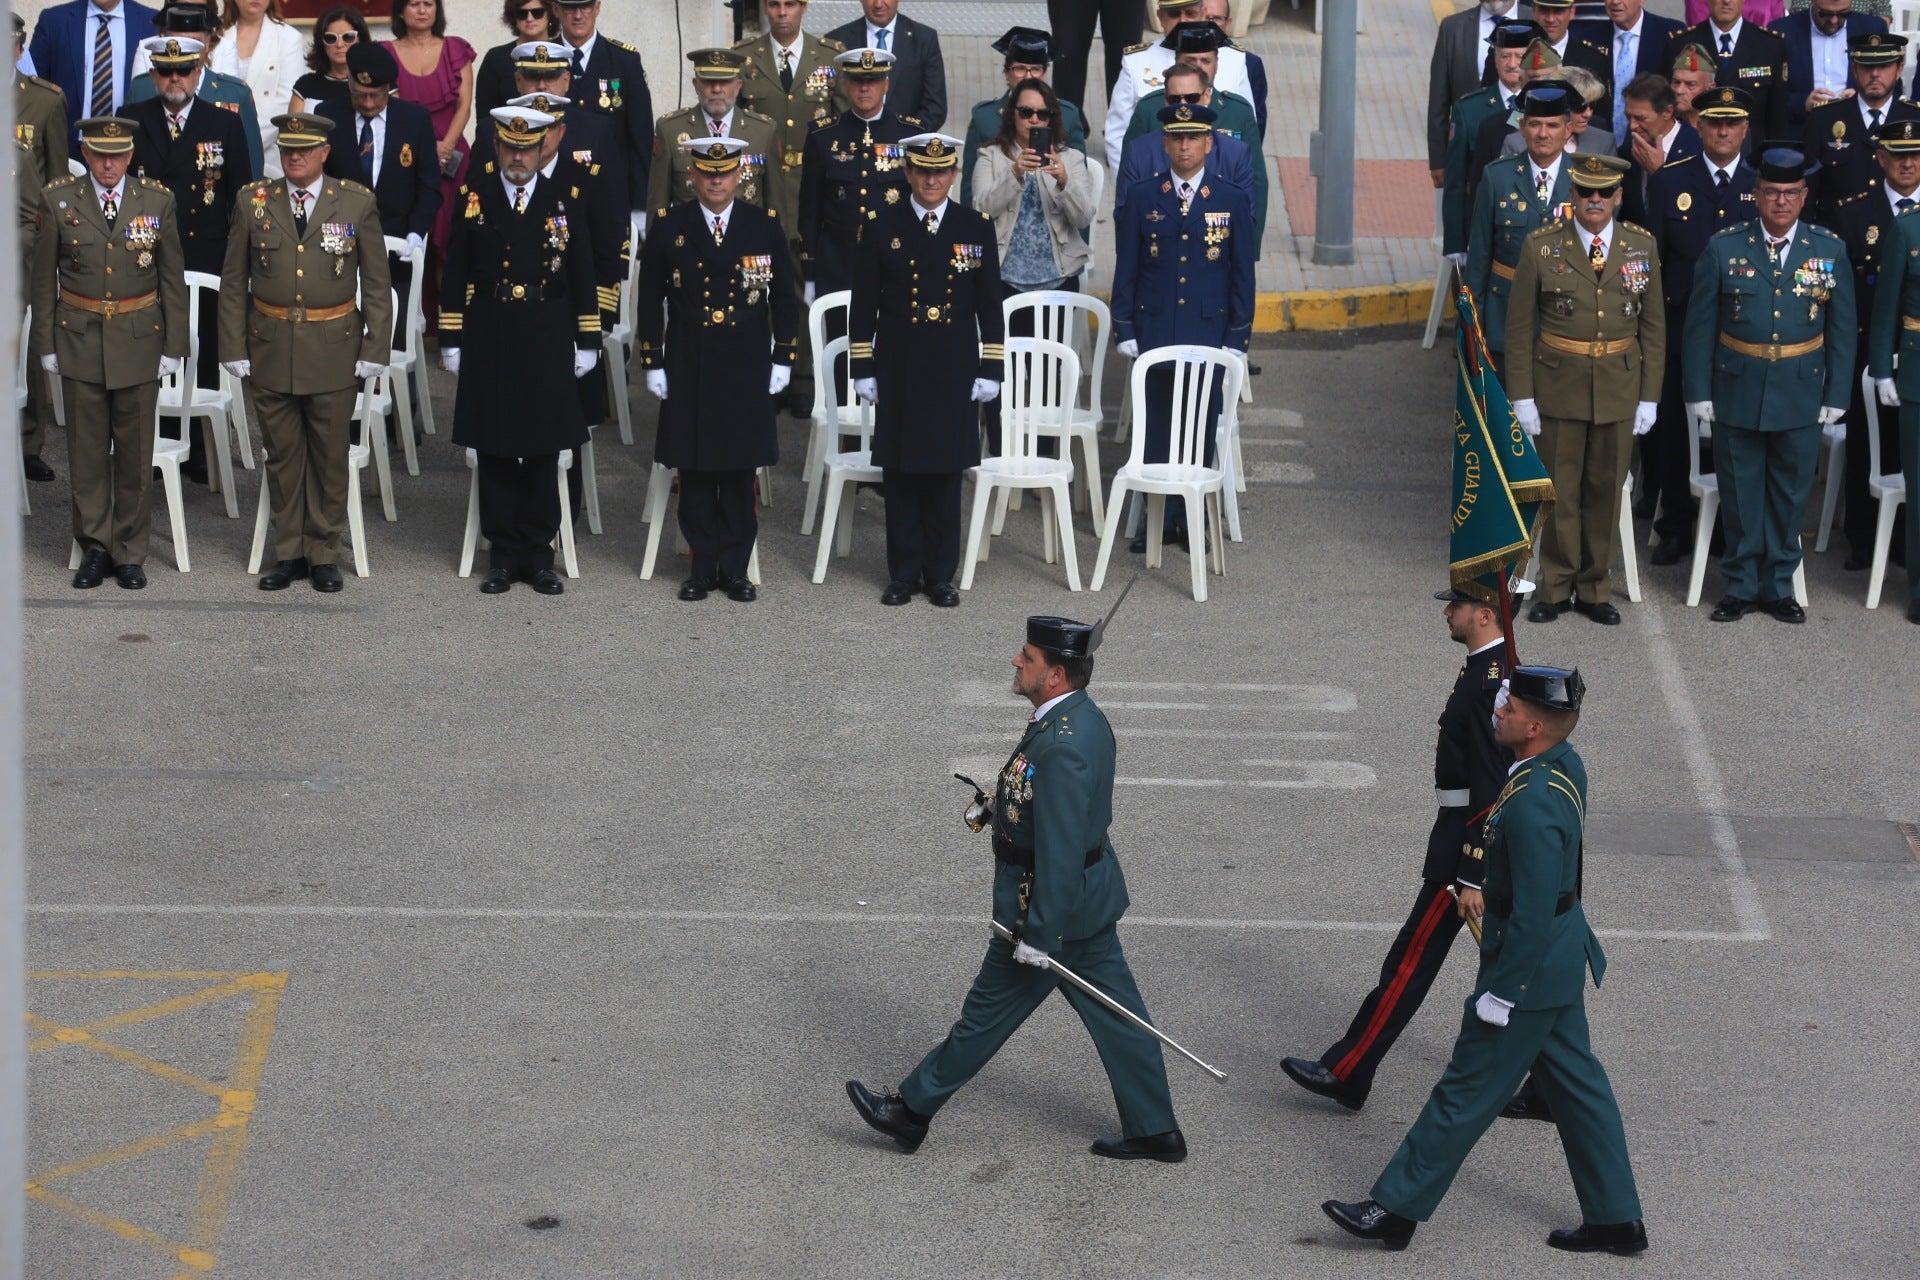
1192,185
725,122
379,123
1714,33
939,212
1606,240
723,217
1830,67
116,32
893,36
1040,712
1894,197
119,198
512,186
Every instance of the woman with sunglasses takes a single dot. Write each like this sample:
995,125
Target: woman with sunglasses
526,20
258,47
338,30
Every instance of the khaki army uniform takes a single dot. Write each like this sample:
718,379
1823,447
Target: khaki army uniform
110,301
793,113
670,183
287,307
1588,349
40,130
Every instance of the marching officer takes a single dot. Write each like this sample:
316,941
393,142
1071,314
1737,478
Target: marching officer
1530,1008
519,275
607,78
718,268
1057,886
40,130
1768,352
789,78
717,77
1688,203
1895,329
1516,196
300,249
110,310
853,169
1586,349
927,348
1839,135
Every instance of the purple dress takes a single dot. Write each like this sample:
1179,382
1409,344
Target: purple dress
439,93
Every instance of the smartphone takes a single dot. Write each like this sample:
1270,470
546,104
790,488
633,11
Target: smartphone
1040,140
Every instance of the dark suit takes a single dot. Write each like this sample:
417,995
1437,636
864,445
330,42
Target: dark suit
407,186
493,81
1455,72
1836,135
918,85
615,86
1758,64
1634,191
1593,51
1798,30
1121,23
1865,222
62,51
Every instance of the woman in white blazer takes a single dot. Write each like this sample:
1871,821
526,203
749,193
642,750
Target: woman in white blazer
1039,204
257,47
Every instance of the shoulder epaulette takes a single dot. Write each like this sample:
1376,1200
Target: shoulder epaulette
1634,226
835,45
912,120
1844,201
1674,164
1819,230
1738,229
594,170
51,87
621,44
1135,48
1766,31
820,122
741,44
351,185
755,115
67,181
152,185
1552,224
489,168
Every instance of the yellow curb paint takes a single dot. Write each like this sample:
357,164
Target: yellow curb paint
1442,9
1323,310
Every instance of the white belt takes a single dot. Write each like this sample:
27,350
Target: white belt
1456,798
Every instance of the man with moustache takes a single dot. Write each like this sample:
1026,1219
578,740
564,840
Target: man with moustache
1517,194
716,113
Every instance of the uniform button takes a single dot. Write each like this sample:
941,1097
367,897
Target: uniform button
109,270
298,271
1183,279
300,248
1183,235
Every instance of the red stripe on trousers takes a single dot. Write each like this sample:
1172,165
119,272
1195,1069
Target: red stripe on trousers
1436,911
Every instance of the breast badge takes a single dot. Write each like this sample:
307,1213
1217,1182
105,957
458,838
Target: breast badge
1684,201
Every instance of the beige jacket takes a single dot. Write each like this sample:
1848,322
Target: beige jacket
996,193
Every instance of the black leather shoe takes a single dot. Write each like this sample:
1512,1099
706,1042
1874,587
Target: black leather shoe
886,1112
1526,1105
693,589
326,578
1315,1078
1645,506
547,583
1139,544
497,582
1913,612
130,576
742,591
1857,560
1622,1238
943,595
897,593
37,469
93,570
1731,609
1168,1148
1600,611
1544,612
1371,1222
1787,610
1669,551
283,573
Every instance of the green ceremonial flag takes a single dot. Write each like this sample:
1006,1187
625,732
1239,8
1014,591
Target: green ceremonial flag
1500,486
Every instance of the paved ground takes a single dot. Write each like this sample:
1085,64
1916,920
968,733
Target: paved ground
371,928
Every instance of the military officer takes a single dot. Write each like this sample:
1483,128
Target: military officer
1586,349
1768,353
717,268
1028,51
110,310
927,349
1529,1010
302,246
1865,222
1895,330
1057,886
790,77
1510,48
854,168
531,322
717,78
1745,54
229,93
1688,202
40,130
608,79
1141,71
1517,195
1691,76
1839,135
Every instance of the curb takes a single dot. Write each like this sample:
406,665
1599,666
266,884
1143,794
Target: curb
1323,310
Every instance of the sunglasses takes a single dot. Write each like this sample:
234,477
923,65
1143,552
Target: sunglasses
340,37
1033,113
530,15
1191,99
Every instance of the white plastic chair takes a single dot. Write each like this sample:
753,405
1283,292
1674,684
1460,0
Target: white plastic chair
1083,323
654,513
1629,560
843,470
1097,179
358,454
167,457
471,540
1197,372
404,360
1706,489
1834,436
185,400
617,343
1442,279
20,404
1888,489
824,436
1036,401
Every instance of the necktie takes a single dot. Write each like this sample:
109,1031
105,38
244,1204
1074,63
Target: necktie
1873,118
881,36
932,224
718,128
173,125
786,71
1597,256
579,66
103,70
1186,196
1726,45
719,229
519,199
1542,185
1720,178
300,199
1903,204
1776,250
366,150
1622,73
109,205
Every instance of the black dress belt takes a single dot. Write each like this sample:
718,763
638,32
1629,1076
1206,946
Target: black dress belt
1004,850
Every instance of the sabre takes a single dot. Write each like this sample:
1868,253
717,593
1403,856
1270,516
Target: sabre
1473,922
1076,980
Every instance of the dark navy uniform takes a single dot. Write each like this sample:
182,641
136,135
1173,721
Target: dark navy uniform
1865,222
614,86
853,169
1757,63
1839,137
726,302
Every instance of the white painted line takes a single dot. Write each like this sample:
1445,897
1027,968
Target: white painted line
1112,695
1707,785
293,911
1128,733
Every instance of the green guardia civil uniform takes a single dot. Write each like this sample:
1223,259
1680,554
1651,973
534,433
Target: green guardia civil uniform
1587,348
109,300
1058,885
670,182
1507,208
1535,952
1455,206
40,131
287,306
1895,331
1769,344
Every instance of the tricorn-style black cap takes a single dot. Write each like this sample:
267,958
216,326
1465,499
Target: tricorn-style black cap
1557,687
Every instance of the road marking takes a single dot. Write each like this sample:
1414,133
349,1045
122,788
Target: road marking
1707,786
1126,733
1293,697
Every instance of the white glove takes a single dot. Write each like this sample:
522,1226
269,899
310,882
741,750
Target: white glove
984,389
1031,955
1529,415
1643,416
1888,396
657,383
583,362
169,365
414,241
1506,692
867,389
50,362
806,294
1830,415
238,368
1701,409
639,225
1491,1008
364,369
450,359
777,380
1458,259
1130,348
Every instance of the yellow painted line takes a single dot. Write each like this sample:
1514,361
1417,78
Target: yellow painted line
1362,307
220,1172
179,1004
1442,9
196,1260
147,1145
142,975
52,1033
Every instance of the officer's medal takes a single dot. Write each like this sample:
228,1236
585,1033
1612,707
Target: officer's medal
556,239
1218,229
209,158
338,239
143,232
606,99
756,272
887,156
